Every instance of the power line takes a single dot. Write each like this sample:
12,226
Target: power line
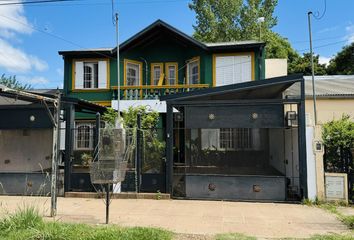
55,36
321,46
35,2
316,16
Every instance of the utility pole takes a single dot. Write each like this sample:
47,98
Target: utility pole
118,66
55,155
312,69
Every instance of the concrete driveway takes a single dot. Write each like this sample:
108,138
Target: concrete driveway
266,220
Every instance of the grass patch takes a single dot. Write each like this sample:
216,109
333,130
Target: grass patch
331,237
233,236
27,224
333,208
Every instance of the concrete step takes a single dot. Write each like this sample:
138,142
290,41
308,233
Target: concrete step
124,195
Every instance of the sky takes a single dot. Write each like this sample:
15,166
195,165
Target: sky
31,35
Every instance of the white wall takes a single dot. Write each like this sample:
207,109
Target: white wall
276,67
311,164
25,150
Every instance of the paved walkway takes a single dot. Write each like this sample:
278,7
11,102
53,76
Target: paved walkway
267,220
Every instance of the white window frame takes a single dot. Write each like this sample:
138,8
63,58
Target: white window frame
190,65
98,78
156,71
172,80
90,133
137,78
90,79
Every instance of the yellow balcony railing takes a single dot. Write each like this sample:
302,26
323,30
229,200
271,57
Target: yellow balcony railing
154,92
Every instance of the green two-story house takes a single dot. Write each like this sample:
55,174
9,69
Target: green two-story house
157,61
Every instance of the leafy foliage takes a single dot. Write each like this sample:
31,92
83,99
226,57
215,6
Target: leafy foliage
338,138
232,20
302,64
343,62
12,82
339,133
110,116
149,120
154,148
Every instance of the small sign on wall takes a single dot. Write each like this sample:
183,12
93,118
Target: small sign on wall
336,185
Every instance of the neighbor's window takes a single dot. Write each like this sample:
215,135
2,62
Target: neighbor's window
133,74
90,74
156,71
171,70
193,71
84,136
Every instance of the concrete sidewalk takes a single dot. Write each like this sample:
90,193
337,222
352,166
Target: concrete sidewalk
266,220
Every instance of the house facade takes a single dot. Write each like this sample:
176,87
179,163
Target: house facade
157,61
161,61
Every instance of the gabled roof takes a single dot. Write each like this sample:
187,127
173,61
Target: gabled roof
158,25
271,88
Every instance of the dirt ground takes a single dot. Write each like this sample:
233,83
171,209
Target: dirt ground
197,219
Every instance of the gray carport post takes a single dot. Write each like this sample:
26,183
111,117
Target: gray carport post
176,100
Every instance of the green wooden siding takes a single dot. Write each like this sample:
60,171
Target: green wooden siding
161,51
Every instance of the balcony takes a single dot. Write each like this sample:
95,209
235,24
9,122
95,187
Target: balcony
154,92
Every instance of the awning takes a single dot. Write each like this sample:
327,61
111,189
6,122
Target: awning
266,89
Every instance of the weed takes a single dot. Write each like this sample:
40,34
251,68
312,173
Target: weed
233,236
158,195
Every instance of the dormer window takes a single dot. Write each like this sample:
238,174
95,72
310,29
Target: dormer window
90,74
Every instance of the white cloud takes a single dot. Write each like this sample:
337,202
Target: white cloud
15,60
12,19
350,33
33,80
324,60
13,22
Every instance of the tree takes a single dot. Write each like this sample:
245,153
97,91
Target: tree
236,20
12,82
302,64
343,62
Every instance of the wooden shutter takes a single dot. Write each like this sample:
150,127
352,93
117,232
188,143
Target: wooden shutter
102,74
79,75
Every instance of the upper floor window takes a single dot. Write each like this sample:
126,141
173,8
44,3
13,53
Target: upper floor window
90,74
193,71
156,73
231,69
172,73
132,73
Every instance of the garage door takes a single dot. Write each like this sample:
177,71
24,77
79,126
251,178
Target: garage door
233,69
